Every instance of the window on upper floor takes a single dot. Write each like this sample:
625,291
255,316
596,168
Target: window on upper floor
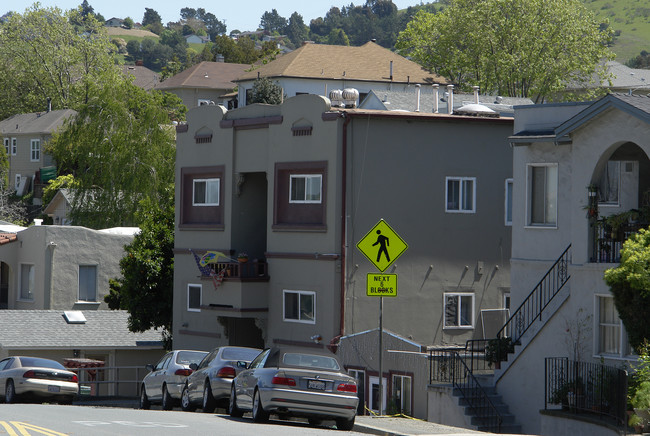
542,195
305,188
459,310
508,202
35,150
7,141
194,298
611,338
300,195
460,195
88,283
299,306
26,281
206,192
14,146
201,202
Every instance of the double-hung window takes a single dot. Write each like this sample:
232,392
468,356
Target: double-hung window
14,146
461,195
609,183
88,283
459,310
612,338
193,298
305,188
205,192
542,191
299,306
35,150
7,142
26,281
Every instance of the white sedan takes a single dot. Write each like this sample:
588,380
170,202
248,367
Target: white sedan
44,379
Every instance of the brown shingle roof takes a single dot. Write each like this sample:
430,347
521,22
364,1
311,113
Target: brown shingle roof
370,62
214,75
37,122
143,77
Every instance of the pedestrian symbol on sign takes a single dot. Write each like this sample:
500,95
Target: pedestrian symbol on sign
382,246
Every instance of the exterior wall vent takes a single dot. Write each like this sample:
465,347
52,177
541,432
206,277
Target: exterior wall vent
203,139
302,131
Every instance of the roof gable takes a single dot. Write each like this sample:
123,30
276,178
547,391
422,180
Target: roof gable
36,122
214,75
370,62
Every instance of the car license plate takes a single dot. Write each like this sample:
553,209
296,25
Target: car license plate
53,389
316,384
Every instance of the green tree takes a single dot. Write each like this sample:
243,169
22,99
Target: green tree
146,287
45,55
128,23
151,17
121,150
630,284
266,91
519,48
338,37
273,22
296,29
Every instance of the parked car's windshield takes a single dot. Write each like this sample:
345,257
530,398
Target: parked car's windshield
188,357
239,354
310,361
41,363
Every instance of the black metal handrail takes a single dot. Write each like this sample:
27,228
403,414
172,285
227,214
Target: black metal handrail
608,241
586,388
531,309
450,366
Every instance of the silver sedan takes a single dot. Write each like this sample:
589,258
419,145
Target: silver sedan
209,384
40,378
164,384
308,383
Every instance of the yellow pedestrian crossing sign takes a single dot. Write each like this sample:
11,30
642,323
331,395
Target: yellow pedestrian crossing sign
382,246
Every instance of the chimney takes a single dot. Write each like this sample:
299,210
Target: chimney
450,100
475,88
220,58
391,71
417,101
435,98
49,104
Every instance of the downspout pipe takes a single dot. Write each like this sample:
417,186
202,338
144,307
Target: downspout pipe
344,189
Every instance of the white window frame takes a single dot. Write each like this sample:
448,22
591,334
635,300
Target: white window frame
460,296
6,142
14,146
529,192
312,294
215,182
308,180
86,299
31,284
35,150
17,179
623,343
200,288
409,400
461,196
618,184
508,209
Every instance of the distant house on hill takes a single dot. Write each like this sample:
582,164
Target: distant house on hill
114,22
205,83
196,39
320,68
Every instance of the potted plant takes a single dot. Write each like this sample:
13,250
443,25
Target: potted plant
497,351
242,257
569,394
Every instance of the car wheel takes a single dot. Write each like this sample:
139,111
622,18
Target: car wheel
144,400
234,411
167,400
345,424
209,403
66,400
10,392
259,414
186,404
314,422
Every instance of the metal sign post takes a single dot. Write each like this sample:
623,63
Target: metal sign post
381,354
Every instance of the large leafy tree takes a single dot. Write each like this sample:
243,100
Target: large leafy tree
273,22
519,48
630,285
45,54
120,149
145,289
296,30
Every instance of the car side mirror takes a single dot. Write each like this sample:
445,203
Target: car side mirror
149,367
194,366
242,364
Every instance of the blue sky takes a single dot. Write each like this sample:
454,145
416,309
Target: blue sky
243,16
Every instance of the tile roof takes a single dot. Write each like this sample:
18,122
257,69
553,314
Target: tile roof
213,75
6,238
370,62
37,122
47,329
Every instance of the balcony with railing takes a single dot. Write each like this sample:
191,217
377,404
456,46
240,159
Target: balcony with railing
239,287
608,239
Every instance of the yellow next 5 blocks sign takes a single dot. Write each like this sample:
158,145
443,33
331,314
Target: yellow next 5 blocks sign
382,285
